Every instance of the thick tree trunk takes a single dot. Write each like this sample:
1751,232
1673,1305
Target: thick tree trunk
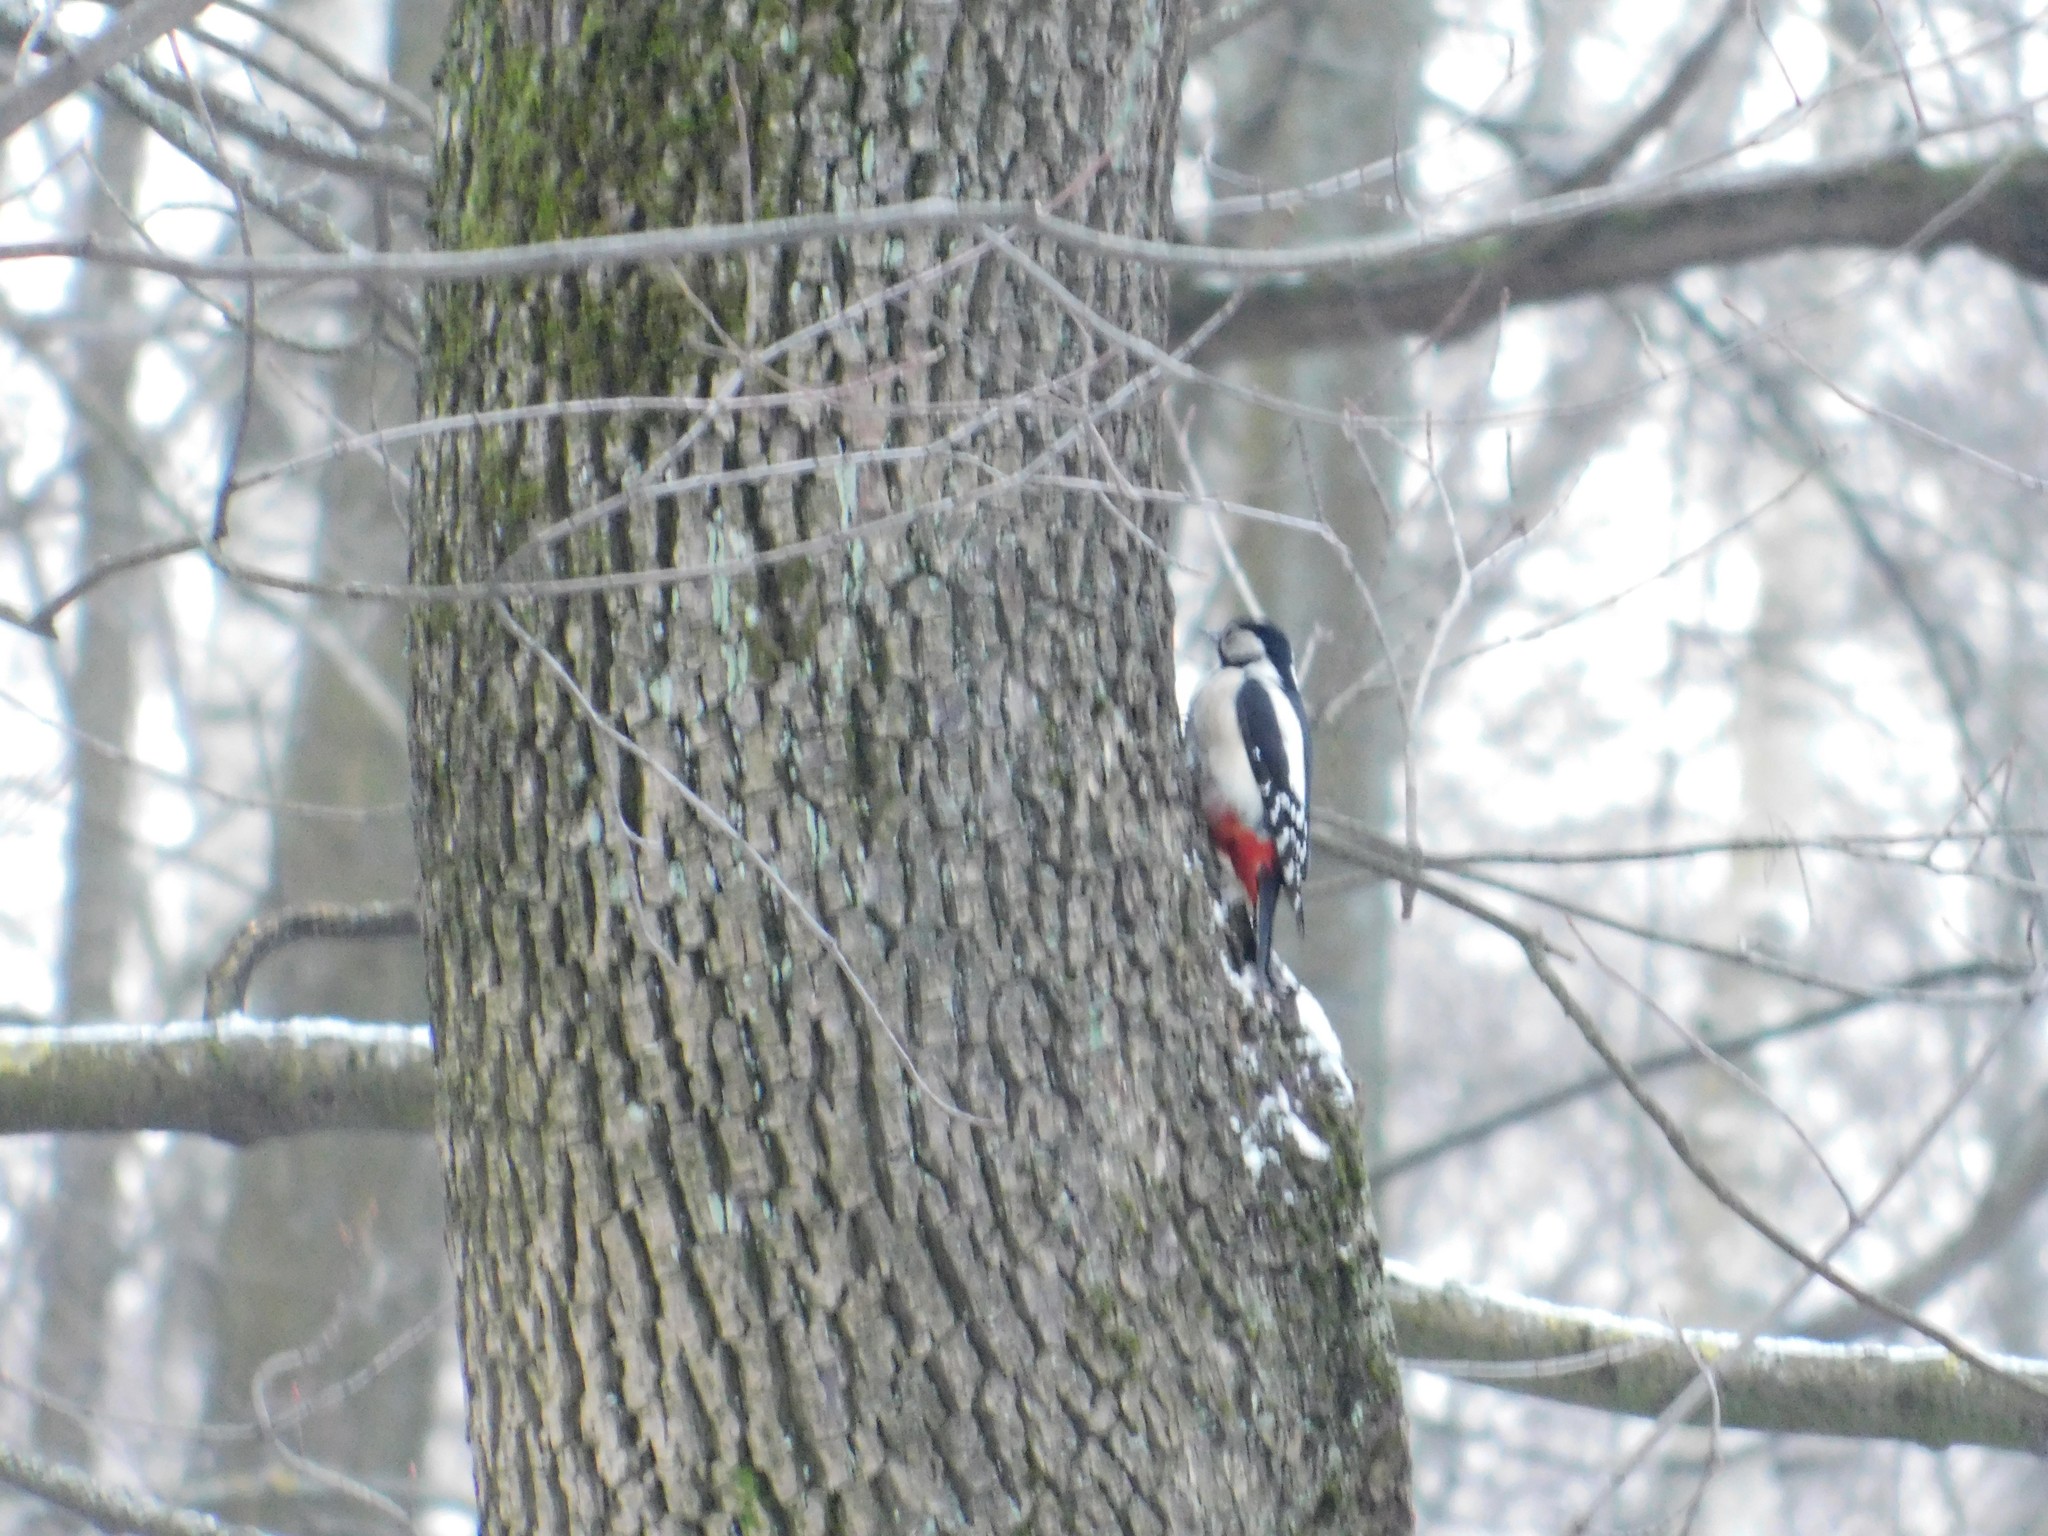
726,1257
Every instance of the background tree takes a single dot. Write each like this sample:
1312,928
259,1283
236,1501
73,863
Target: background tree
364,1208
1275,109
1686,470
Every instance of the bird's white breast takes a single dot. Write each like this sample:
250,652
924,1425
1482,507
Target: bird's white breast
1223,772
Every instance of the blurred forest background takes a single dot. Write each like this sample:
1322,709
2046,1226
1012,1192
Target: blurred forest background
1695,621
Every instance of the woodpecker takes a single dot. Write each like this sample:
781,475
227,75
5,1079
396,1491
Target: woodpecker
1248,742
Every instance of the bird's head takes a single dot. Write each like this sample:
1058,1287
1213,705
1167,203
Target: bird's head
1246,642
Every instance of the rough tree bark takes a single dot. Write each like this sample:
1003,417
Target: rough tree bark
724,1256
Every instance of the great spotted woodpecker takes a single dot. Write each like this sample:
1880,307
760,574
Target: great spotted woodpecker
1248,741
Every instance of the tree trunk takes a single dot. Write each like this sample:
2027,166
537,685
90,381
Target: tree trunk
74,1239
945,1223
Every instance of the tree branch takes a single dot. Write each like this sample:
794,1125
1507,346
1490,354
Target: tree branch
105,1507
1556,250
1332,293
1537,952
1657,114
2016,1185
1630,1365
227,984
238,1079
126,35
243,1080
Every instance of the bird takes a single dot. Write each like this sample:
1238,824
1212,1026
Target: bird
1248,744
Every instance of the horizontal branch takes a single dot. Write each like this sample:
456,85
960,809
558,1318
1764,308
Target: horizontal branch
1331,292
238,1079
1569,247
1795,1386
245,1080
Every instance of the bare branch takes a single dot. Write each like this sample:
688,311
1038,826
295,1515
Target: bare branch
105,1508
299,142
1635,1366
131,30
418,114
1538,956
2015,1188
311,1353
1538,953
1662,108
1730,1046
43,622
227,984
1331,292
237,1079
1586,243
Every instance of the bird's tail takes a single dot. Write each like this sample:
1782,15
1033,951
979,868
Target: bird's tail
1269,903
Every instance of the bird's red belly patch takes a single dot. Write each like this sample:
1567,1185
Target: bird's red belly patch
1250,854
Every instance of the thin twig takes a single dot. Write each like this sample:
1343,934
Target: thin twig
1690,70
1687,1402
1538,957
419,113
43,622
1396,1165
1710,1056
1538,953
354,1489
238,430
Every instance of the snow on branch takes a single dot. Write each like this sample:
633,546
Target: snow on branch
244,1080
1630,1365
235,1078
